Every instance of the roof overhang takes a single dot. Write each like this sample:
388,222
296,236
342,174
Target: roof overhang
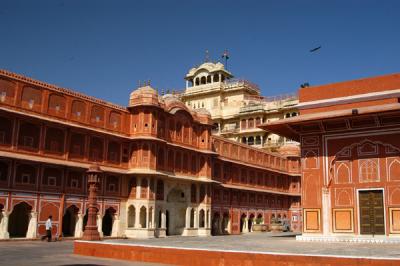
321,122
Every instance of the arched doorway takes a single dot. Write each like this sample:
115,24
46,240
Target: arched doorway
192,218
242,222
19,220
69,221
142,217
201,219
215,224
131,216
107,223
250,222
177,202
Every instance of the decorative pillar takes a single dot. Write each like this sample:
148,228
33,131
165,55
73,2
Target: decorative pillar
196,218
163,219
91,232
79,226
115,226
147,218
137,218
187,220
153,217
4,225
326,211
99,224
32,227
187,84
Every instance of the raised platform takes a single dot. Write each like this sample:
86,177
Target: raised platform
250,249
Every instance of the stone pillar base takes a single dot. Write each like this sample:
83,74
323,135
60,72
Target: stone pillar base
91,233
190,232
204,232
160,232
140,233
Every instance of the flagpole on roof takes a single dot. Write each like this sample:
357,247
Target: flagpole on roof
225,56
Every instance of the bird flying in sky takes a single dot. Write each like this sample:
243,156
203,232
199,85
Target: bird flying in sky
315,49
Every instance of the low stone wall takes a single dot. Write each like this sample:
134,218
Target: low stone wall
196,257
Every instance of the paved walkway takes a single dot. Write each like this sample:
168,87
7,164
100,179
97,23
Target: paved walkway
27,253
270,243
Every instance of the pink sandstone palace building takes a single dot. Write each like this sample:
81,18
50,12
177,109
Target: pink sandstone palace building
350,151
163,171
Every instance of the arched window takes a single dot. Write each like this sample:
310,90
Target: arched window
250,141
203,80
216,78
243,124
208,79
131,216
201,219
251,123
78,110
368,170
143,221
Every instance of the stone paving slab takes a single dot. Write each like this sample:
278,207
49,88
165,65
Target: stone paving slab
27,253
270,243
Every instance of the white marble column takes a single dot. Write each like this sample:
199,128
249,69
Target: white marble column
137,218
163,219
326,211
148,218
115,226
32,227
196,218
153,217
4,226
99,225
79,226
208,219
187,219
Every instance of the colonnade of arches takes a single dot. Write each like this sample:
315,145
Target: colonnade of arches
206,79
22,222
140,217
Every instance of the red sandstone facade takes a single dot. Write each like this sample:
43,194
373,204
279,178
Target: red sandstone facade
350,149
163,171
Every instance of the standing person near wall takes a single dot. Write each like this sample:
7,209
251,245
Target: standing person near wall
48,229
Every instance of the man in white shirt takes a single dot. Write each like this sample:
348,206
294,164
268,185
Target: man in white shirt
48,229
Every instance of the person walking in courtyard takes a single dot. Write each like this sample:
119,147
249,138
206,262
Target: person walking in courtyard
48,229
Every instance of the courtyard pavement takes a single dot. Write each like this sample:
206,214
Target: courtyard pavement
60,253
27,253
272,243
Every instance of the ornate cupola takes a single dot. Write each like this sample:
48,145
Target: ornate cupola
207,73
144,95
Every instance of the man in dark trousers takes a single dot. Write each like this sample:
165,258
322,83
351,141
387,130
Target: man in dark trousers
48,229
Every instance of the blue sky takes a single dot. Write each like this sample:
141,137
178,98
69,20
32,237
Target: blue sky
102,48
